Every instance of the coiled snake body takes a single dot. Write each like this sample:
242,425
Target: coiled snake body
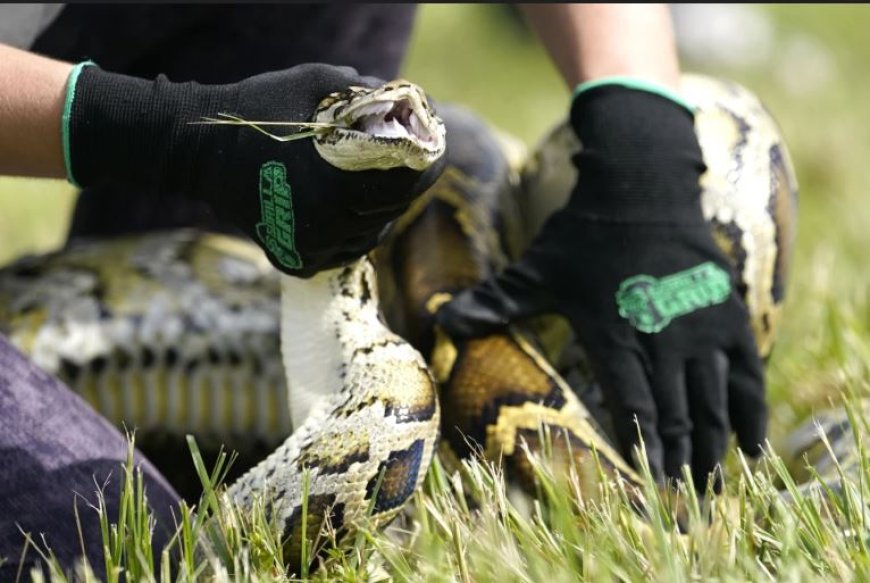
178,332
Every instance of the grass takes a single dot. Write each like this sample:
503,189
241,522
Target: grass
823,351
468,527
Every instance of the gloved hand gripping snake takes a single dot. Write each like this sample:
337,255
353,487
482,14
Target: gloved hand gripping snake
363,401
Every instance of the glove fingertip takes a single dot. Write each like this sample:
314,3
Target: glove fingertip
747,404
465,317
751,437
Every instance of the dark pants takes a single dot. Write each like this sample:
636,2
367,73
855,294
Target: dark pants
55,451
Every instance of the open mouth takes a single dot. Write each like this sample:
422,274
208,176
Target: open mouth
390,119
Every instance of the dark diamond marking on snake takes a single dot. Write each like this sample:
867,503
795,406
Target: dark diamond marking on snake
366,293
778,205
104,312
400,477
564,446
321,508
329,463
369,348
346,410
148,357
69,371
98,364
736,253
122,359
27,268
191,366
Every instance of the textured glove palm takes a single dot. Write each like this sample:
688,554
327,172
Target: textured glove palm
306,214
632,264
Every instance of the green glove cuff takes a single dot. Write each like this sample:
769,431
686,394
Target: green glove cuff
636,83
64,123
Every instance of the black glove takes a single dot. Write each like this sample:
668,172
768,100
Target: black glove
632,264
306,214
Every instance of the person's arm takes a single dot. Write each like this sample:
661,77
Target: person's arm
32,92
98,127
592,41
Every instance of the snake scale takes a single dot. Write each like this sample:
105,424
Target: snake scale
184,331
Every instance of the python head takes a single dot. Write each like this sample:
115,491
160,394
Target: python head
380,128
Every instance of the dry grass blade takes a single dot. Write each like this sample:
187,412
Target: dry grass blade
227,119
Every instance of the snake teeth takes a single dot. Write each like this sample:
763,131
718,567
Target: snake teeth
396,116
161,335
397,119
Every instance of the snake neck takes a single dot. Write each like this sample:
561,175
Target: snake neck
340,316
310,347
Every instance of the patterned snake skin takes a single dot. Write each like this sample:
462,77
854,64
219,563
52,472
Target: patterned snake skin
182,332
497,392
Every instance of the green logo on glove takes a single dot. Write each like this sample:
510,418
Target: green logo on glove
650,304
276,228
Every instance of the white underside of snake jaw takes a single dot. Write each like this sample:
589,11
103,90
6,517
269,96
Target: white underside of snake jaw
345,153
